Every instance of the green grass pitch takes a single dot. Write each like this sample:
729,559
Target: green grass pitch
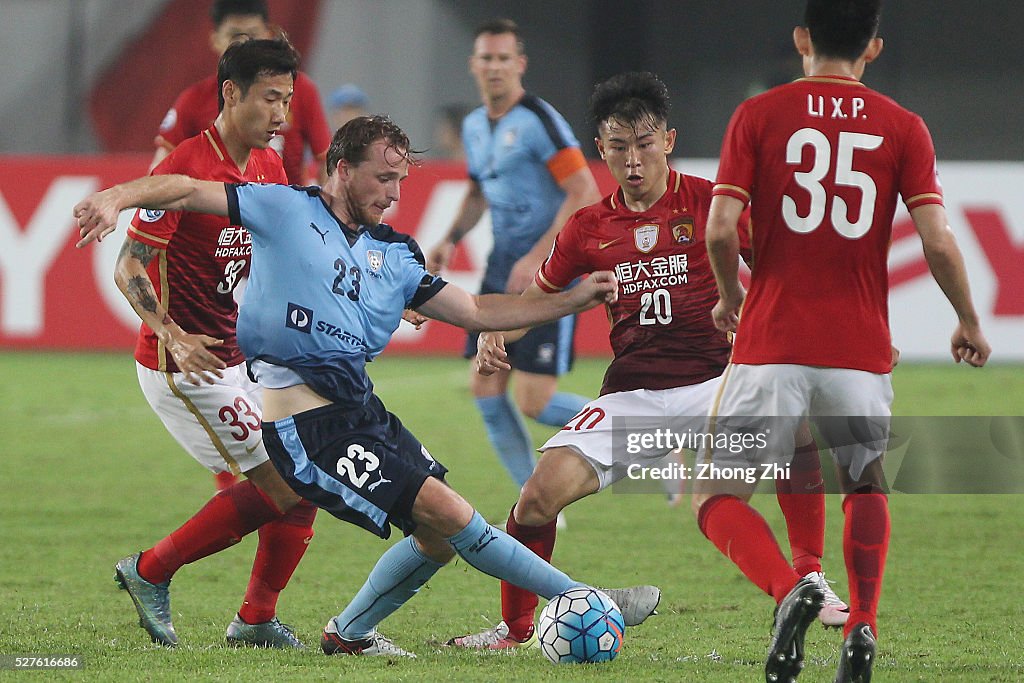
89,475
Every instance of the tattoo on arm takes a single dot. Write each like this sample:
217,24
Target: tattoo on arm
143,253
140,291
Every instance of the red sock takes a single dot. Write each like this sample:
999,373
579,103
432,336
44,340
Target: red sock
229,515
743,536
518,605
802,499
223,480
865,545
282,544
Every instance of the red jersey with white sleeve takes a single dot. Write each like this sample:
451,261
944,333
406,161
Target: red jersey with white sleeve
662,333
821,161
201,258
196,108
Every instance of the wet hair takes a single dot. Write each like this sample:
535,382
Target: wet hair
497,27
842,29
351,141
630,99
221,9
247,60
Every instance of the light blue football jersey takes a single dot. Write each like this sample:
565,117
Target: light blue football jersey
508,159
323,299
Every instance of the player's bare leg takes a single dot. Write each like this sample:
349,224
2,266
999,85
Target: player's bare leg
533,392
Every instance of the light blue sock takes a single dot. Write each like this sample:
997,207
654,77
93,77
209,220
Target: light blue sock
395,578
507,434
494,552
561,408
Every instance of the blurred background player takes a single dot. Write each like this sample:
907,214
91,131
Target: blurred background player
668,355
196,107
526,166
327,432
346,103
822,162
178,270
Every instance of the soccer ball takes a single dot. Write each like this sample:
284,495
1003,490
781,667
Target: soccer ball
581,625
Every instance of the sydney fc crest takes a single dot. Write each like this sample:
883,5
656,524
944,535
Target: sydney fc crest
375,259
645,237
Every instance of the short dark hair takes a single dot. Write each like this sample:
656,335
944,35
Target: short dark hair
351,141
842,29
630,98
500,26
221,9
247,60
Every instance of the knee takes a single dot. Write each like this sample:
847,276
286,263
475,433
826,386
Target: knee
439,508
434,547
531,404
536,507
267,480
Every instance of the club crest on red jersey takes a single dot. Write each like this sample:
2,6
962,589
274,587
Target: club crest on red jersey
682,230
645,237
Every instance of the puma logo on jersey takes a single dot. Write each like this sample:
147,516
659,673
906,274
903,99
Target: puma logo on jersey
377,483
323,234
605,245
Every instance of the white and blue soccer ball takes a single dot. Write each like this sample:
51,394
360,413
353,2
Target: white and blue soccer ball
580,625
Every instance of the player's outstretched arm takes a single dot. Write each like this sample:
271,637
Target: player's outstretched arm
509,312
946,263
97,213
723,251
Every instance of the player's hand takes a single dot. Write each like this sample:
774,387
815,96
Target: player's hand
522,273
414,318
600,288
97,216
190,352
439,257
490,354
726,313
968,344
895,355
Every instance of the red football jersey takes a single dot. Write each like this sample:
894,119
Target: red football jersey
201,257
196,108
821,161
661,328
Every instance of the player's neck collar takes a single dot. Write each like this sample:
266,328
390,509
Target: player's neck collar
351,234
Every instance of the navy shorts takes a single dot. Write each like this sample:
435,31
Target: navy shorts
363,466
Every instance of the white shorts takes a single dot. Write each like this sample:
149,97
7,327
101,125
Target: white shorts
606,432
850,408
219,424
